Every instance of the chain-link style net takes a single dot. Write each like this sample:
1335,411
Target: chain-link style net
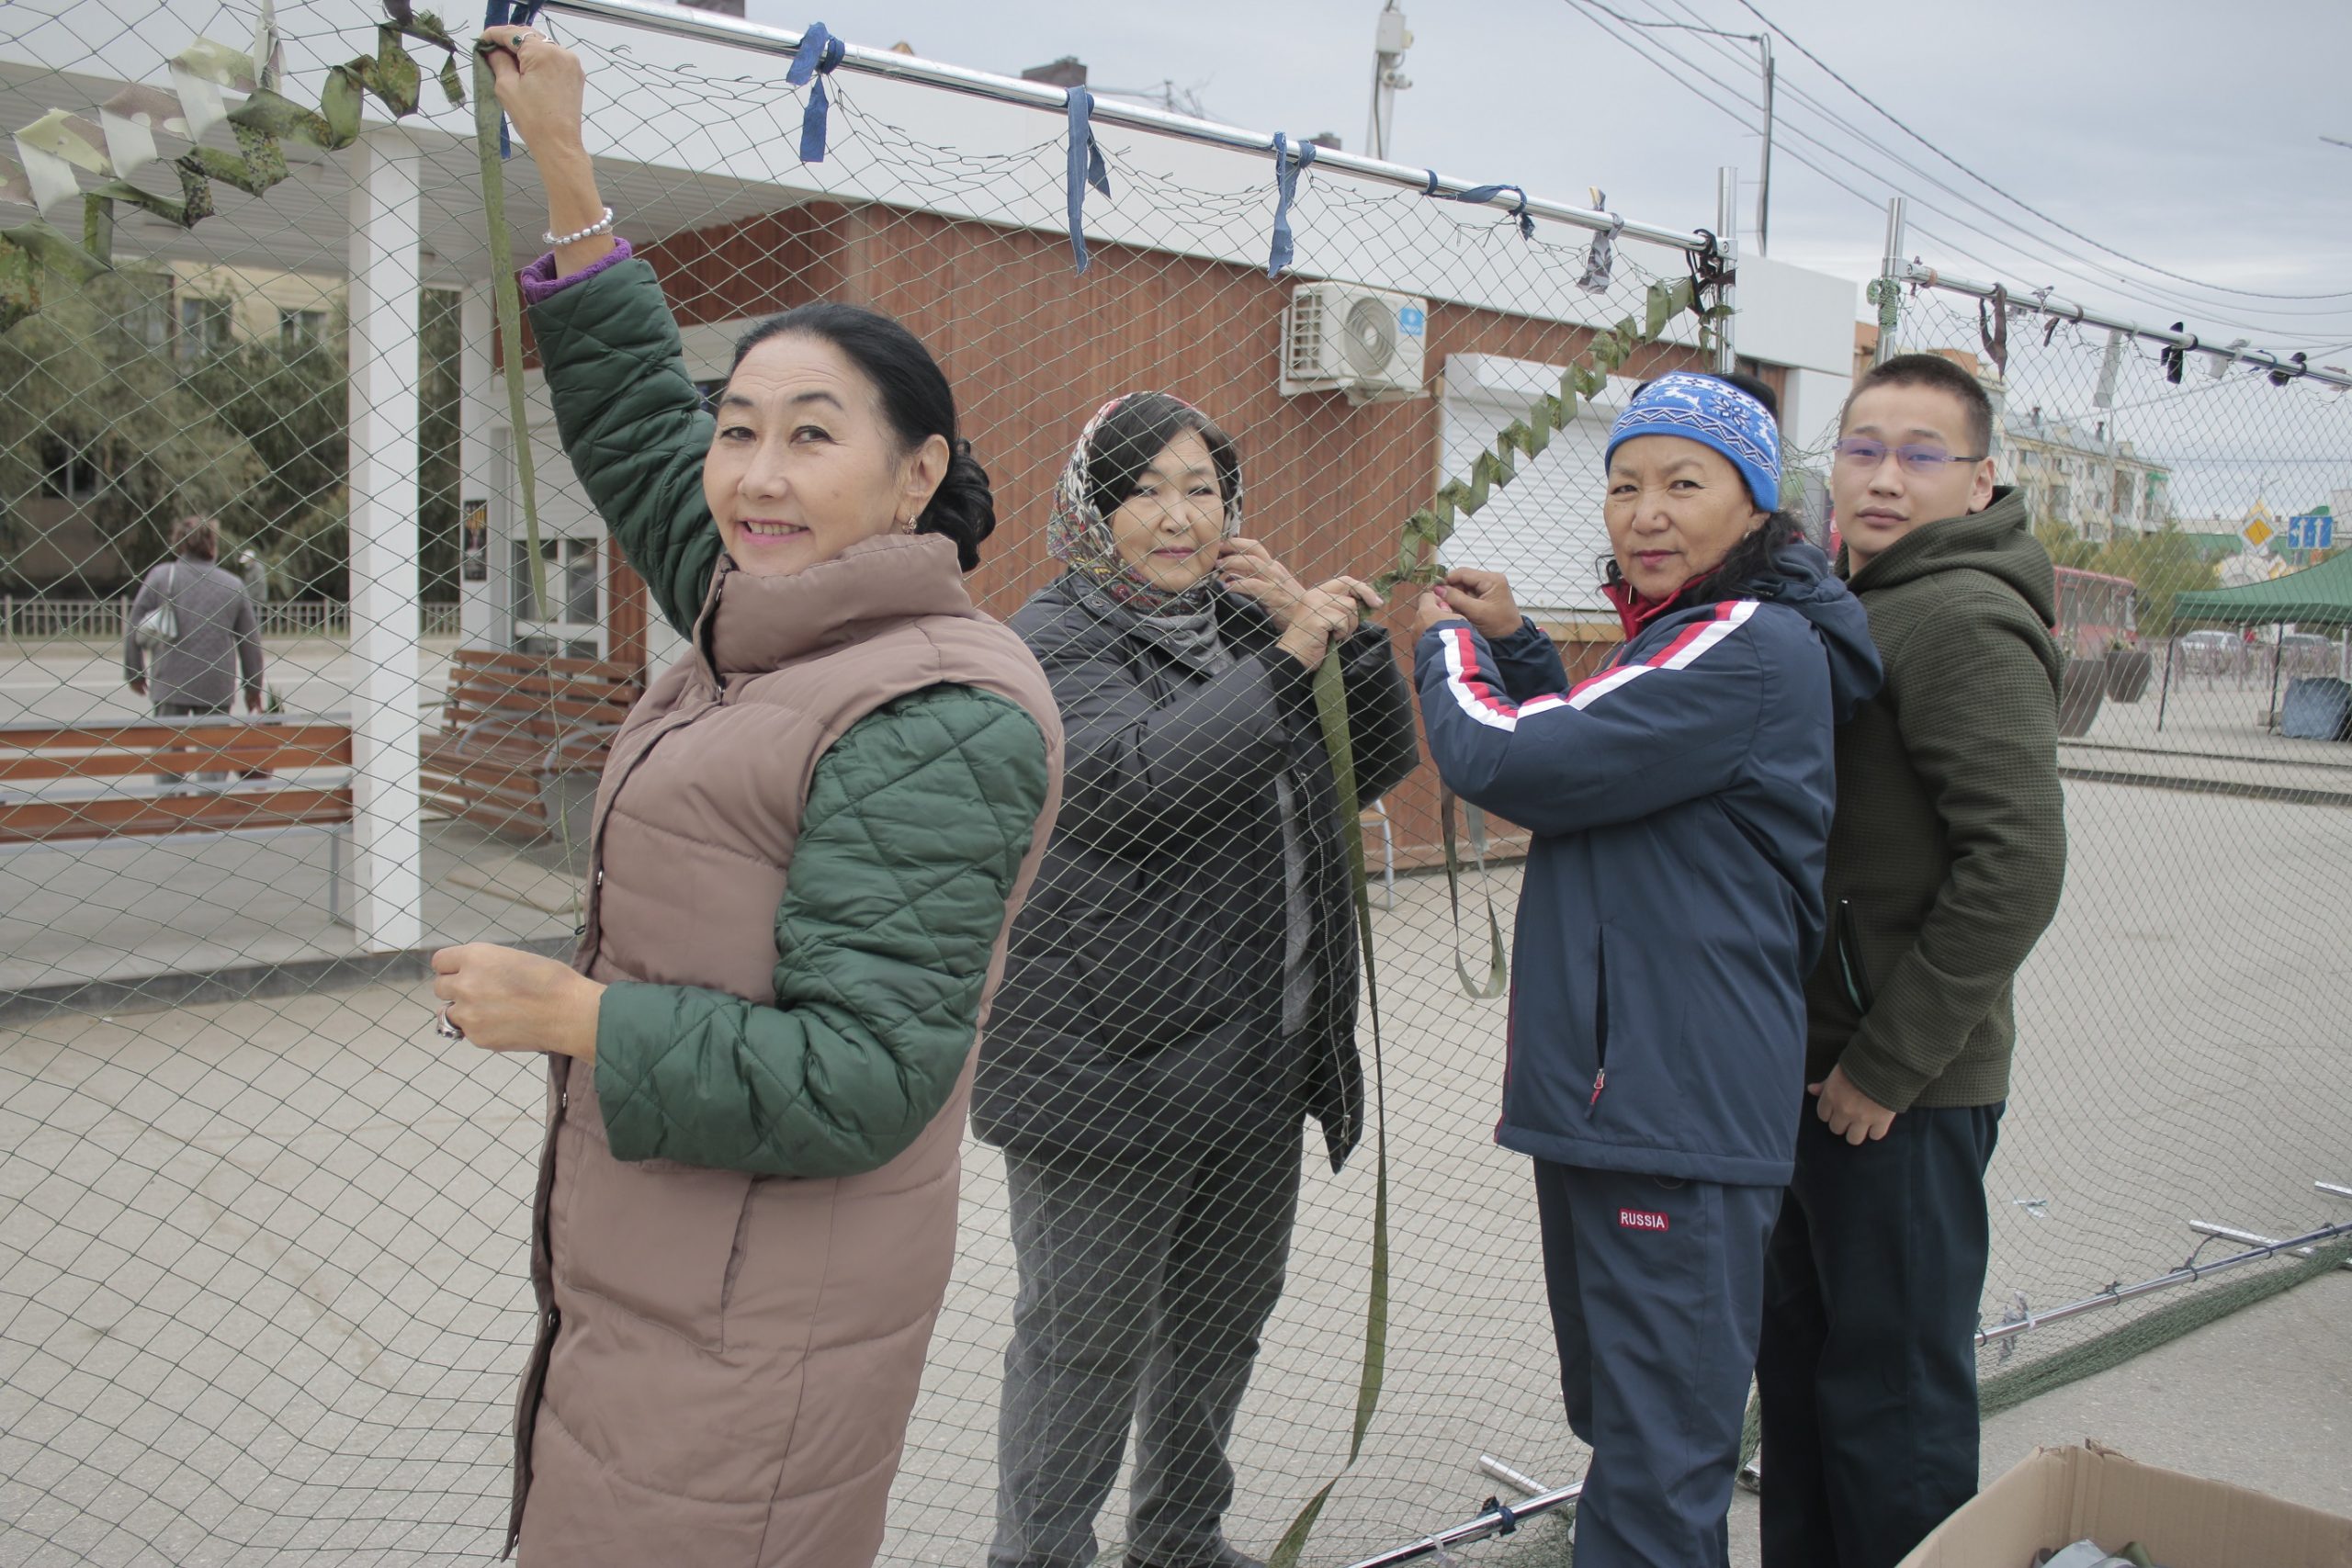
266,1238
2174,1020
266,1288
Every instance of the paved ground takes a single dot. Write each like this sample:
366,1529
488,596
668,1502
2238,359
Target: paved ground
261,1264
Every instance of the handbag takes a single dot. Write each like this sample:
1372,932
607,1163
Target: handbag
159,629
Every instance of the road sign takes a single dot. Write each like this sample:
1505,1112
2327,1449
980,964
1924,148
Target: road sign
2310,531
2257,531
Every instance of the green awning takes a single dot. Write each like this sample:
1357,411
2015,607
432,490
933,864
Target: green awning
2317,595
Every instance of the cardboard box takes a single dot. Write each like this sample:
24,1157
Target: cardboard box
2061,1496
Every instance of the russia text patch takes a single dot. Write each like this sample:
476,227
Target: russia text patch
1640,1220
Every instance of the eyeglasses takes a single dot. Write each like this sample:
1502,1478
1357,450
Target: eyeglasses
1864,453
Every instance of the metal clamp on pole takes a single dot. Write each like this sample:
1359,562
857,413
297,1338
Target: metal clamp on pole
1727,249
1886,290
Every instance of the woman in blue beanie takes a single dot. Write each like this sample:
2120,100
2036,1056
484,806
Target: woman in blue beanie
1680,802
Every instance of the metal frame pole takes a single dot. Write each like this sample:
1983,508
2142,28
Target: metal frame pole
2278,658
2171,650
2036,302
1727,217
2185,1274
1890,271
705,27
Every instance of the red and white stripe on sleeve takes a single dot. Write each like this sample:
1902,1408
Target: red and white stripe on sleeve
1480,694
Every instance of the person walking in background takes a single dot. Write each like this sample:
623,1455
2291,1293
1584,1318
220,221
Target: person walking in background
813,834
1680,803
1945,865
1181,989
214,645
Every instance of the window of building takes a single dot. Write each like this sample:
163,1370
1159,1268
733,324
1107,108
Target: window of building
571,577
148,319
67,472
206,325
300,329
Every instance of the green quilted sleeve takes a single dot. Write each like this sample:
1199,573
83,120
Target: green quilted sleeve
632,422
917,822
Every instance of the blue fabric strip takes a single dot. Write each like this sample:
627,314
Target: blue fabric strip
1285,187
818,53
1085,169
1477,194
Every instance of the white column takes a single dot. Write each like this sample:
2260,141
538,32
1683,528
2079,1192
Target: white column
386,356
481,426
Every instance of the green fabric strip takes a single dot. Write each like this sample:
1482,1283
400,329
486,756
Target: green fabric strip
1331,713
510,311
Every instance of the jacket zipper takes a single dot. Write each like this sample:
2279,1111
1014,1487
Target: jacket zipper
1600,1024
1850,959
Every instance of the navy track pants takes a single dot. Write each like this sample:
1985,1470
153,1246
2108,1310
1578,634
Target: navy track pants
1657,1288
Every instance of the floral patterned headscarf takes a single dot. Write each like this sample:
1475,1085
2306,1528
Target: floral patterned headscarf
1079,536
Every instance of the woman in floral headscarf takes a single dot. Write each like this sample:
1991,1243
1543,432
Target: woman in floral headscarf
1181,985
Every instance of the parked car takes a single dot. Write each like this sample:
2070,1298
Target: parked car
2209,652
2307,653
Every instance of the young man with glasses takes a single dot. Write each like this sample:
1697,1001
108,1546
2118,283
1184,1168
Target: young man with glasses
1945,861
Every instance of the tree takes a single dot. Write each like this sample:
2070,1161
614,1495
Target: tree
289,402
255,433
2163,565
86,380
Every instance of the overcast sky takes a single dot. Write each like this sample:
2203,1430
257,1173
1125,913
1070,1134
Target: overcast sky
2184,135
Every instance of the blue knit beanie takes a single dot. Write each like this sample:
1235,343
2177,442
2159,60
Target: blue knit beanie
1713,414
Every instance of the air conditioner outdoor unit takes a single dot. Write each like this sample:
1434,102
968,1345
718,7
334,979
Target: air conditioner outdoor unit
1340,338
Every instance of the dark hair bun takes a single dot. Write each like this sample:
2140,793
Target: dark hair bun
963,507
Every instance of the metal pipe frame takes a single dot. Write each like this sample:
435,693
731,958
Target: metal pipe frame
1489,1522
704,27
2248,1238
2186,1274
2068,311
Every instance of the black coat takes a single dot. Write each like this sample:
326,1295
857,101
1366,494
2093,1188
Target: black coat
1141,1012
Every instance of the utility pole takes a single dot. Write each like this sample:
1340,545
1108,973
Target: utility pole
1763,41
1389,45
1764,182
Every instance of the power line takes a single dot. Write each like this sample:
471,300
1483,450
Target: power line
1793,42
2125,287
2153,296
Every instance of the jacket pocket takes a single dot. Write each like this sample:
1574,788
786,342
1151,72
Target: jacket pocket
660,1242
1853,972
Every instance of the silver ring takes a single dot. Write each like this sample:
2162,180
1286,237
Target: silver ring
444,1028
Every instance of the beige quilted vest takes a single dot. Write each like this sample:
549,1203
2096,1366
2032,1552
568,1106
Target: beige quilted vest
726,1362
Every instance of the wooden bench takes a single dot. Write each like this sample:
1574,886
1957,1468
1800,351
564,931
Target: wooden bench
514,723
46,756
78,785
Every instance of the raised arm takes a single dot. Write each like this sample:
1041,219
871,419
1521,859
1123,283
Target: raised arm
1627,742
628,416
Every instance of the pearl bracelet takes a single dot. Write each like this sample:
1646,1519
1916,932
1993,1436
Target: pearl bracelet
602,226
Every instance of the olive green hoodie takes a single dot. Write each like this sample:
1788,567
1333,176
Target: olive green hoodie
1949,843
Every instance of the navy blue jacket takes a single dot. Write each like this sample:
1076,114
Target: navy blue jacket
1680,802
